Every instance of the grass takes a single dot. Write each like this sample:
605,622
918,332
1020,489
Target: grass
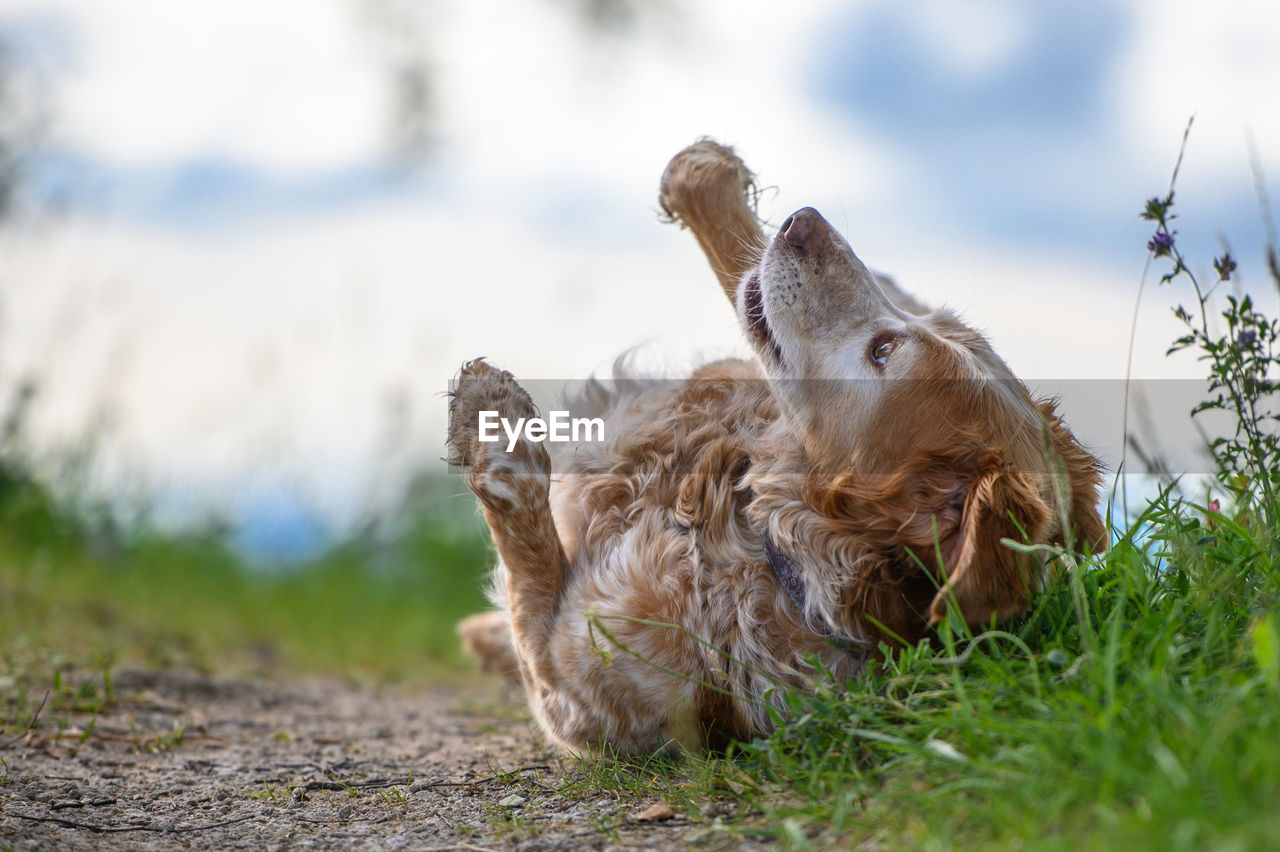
78,596
1149,717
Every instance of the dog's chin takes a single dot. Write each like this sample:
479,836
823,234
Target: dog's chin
755,321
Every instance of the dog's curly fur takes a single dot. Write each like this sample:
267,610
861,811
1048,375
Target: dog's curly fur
887,451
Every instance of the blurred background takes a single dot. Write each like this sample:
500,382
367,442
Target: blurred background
245,245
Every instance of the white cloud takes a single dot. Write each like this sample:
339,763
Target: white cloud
285,85
973,39
523,95
1218,61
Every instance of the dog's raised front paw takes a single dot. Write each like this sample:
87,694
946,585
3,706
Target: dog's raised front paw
703,178
708,189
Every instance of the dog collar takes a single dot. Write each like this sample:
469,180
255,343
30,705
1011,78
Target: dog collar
792,582
786,571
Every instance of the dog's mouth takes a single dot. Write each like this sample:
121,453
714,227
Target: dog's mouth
757,323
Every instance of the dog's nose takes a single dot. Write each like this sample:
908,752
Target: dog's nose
800,227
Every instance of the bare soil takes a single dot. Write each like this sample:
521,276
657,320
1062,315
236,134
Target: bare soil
185,760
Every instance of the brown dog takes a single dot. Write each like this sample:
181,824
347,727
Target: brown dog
851,486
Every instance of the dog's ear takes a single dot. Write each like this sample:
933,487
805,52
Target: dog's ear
951,511
983,577
1084,477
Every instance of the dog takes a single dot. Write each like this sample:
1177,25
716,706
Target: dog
741,531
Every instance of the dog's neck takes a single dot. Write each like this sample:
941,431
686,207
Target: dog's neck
791,578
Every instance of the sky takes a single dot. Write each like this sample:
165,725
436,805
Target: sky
231,284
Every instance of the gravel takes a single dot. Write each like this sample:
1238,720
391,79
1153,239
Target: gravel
185,760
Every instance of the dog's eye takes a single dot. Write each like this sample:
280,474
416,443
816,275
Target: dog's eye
881,345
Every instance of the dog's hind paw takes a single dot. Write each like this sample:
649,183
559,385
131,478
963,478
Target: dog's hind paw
500,469
469,396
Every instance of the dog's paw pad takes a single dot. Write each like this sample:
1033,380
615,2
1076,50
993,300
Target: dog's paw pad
480,386
500,471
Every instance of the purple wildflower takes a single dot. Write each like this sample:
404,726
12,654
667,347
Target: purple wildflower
1225,266
1246,339
1161,243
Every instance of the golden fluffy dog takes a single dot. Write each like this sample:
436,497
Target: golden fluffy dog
851,485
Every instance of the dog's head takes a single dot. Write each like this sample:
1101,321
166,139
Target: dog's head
917,431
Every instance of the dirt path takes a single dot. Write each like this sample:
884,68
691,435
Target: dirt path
184,760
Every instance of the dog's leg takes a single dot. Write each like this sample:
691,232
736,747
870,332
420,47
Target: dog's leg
710,190
513,488
487,637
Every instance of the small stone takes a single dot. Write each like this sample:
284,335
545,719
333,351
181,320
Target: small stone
702,837
659,811
515,800
344,812
713,809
